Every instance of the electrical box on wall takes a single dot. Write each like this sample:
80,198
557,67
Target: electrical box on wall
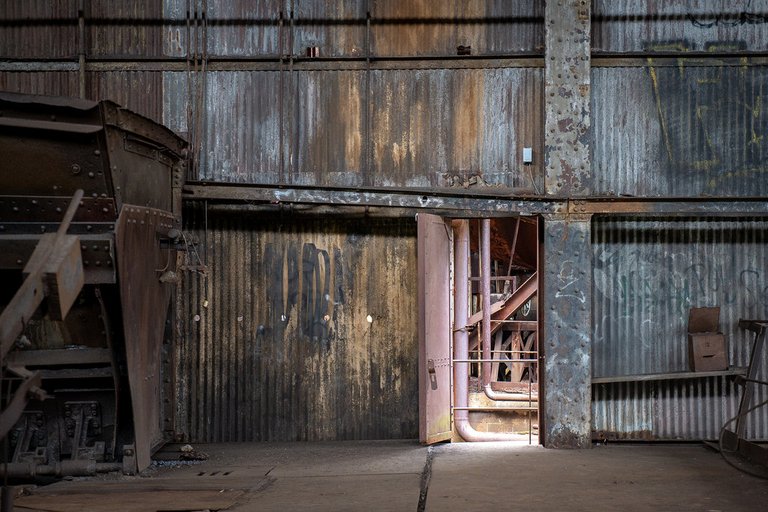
527,156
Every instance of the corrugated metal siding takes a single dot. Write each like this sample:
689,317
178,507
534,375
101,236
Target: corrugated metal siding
647,274
139,91
234,29
44,29
443,127
282,349
640,25
424,27
52,83
124,28
49,29
336,28
680,130
426,127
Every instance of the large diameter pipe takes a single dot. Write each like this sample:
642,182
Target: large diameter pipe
485,290
461,341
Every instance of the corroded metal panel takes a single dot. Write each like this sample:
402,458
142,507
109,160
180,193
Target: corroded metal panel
434,280
641,25
336,29
414,128
566,90
301,328
329,144
241,124
53,83
567,311
144,299
138,91
423,27
647,275
123,28
685,128
233,29
38,29
456,128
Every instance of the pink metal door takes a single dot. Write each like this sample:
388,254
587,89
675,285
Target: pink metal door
434,263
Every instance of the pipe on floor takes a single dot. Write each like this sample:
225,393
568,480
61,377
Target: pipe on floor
485,291
461,341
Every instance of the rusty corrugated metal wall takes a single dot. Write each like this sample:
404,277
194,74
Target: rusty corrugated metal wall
275,342
432,127
647,274
648,25
680,125
419,117
680,128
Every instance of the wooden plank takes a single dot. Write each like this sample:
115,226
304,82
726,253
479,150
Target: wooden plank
668,376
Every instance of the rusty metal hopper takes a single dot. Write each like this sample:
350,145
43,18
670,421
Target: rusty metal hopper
100,364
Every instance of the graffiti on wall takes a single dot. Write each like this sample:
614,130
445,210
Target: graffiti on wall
712,116
307,283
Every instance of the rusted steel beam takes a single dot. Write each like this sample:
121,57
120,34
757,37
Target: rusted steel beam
464,204
675,206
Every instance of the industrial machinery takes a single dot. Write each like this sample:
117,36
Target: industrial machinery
90,206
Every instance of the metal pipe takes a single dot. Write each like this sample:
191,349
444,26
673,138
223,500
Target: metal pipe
485,291
58,469
461,341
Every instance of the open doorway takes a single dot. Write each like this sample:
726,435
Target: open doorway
479,329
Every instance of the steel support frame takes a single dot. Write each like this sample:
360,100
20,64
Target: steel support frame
566,306
566,302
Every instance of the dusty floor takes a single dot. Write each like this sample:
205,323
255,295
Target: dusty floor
404,476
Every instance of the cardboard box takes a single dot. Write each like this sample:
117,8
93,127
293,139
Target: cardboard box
707,350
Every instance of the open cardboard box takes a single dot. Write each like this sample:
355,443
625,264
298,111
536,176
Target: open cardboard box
707,350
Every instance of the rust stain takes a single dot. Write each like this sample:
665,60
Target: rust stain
323,344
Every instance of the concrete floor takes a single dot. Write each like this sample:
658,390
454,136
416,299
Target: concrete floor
404,476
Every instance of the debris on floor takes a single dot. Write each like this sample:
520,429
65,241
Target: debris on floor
188,452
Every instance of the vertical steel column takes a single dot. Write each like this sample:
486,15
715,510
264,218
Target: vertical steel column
566,75
567,313
566,302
